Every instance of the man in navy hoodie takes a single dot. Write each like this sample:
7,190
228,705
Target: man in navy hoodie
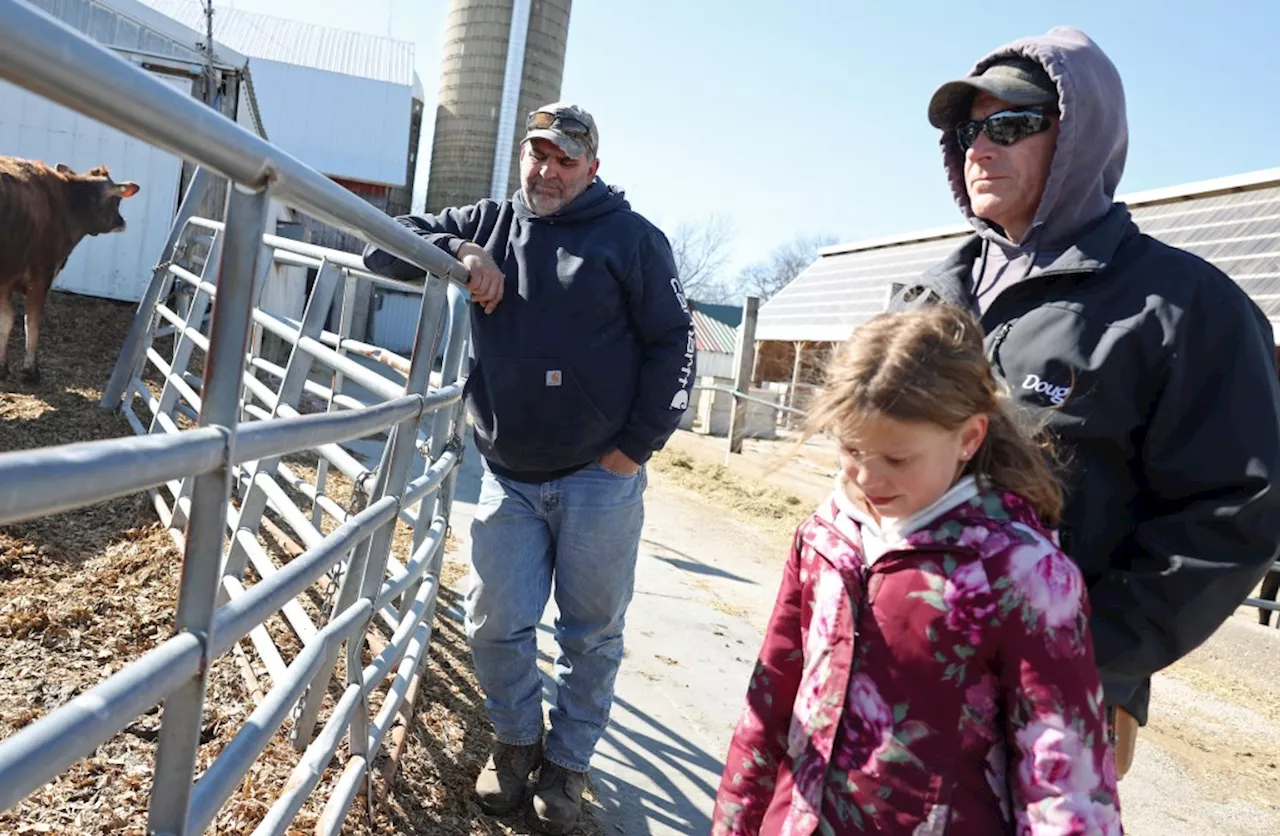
1154,370
582,364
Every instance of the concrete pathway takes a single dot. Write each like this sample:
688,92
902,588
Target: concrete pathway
704,588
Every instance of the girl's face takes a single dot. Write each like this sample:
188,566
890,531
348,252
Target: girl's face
904,467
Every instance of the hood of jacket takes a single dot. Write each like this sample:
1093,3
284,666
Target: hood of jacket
1093,142
598,199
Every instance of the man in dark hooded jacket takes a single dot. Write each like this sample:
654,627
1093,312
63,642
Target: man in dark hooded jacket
1153,369
582,364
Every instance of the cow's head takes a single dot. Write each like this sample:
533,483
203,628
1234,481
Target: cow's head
97,203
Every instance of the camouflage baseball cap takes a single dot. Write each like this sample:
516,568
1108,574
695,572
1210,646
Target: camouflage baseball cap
567,125
1019,81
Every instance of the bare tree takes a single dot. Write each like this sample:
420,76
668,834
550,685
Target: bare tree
701,249
765,278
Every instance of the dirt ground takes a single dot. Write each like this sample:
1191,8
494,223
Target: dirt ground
83,594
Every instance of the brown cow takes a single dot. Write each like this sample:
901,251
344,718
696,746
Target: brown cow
44,213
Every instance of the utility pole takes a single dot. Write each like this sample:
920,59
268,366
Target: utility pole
209,84
744,363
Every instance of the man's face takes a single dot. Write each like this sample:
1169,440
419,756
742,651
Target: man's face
1005,182
551,178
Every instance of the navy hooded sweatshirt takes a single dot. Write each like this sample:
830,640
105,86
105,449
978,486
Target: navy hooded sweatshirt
592,345
1154,370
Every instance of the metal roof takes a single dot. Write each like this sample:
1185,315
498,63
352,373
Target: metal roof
298,43
1231,222
131,25
715,327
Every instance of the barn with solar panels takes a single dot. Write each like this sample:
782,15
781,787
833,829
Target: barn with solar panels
1232,222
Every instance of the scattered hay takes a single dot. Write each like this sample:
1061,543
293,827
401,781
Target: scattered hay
769,507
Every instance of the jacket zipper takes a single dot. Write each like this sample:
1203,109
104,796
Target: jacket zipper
996,340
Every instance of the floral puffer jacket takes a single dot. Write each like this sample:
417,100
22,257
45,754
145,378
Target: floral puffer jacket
948,687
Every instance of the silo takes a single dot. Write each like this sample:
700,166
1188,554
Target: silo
502,58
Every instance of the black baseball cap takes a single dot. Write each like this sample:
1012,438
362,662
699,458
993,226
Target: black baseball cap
1018,81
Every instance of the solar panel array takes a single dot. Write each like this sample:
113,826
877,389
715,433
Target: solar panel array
1237,231
838,292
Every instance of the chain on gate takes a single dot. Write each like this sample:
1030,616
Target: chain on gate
333,578
333,582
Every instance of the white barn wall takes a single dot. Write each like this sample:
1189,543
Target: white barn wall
714,364
361,132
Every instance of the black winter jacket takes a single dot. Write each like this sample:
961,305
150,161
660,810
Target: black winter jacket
1157,374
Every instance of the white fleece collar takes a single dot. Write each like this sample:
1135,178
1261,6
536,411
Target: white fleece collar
879,538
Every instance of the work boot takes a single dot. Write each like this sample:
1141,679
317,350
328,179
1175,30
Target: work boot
557,801
504,779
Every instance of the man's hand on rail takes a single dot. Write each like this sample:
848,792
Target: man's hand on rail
485,280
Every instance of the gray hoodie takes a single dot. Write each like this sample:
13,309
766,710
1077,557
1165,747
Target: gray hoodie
1092,144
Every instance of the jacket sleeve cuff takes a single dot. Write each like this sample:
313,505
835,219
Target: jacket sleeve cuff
636,450
444,241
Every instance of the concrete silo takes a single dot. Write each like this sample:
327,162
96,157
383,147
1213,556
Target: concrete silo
502,58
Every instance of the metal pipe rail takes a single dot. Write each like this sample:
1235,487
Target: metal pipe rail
302,254
52,478
729,390
291,331
1264,604
224,459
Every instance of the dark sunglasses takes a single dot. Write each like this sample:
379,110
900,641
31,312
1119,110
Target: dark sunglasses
541,120
1003,128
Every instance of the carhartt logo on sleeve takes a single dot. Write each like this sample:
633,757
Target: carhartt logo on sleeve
1052,391
679,291
554,377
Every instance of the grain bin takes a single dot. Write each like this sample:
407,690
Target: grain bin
502,58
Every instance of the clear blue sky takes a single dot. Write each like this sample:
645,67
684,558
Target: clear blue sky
808,116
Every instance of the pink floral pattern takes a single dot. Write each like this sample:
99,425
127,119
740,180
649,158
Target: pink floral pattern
871,721
978,718
948,688
970,604
1048,581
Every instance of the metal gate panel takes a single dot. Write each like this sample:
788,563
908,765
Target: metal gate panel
213,421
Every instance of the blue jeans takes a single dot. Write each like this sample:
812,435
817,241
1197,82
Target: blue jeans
583,530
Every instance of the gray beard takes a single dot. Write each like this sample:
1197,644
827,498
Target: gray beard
543,206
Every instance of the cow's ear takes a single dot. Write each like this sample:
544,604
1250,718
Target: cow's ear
63,168
127,189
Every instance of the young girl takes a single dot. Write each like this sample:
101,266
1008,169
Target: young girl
928,667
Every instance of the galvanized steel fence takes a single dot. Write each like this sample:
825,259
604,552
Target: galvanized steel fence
214,481
1263,604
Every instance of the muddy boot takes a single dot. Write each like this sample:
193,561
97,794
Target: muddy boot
504,779
558,799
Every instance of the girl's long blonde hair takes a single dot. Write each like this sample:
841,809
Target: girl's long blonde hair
928,365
